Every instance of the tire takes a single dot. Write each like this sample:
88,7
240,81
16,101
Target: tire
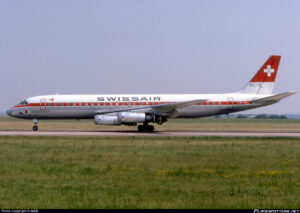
35,128
141,128
150,128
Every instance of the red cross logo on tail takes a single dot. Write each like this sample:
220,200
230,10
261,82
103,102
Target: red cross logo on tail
267,73
269,70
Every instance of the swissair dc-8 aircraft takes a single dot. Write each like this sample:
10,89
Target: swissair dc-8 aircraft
156,108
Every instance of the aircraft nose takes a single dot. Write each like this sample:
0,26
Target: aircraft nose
9,112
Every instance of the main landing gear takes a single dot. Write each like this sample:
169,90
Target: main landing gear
145,128
35,127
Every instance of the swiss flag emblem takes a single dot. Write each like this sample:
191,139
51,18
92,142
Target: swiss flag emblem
268,72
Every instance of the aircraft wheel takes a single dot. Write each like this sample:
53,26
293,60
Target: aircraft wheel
150,128
141,128
145,128
35,128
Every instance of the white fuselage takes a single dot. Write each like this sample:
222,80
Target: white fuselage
86,106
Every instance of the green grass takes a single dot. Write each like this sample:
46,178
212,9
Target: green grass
202,124
145,172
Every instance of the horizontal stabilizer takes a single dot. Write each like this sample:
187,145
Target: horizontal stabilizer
273,98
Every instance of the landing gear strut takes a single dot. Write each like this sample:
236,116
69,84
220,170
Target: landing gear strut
145,128
35,127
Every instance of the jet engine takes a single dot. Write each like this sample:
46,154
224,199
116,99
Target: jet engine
131,117
128,118
106,120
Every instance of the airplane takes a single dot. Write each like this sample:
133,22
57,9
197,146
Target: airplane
132,109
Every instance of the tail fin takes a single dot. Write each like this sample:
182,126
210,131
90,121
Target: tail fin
264,79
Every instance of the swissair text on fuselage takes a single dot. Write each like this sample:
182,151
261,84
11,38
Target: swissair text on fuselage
127,98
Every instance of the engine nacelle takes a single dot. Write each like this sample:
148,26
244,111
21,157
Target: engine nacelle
106,120
128,118
131,117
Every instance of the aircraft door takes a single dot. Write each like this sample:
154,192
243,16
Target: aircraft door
230,102
43,105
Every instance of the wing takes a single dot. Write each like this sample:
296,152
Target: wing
162,109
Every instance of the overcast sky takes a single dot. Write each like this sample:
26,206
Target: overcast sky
139,46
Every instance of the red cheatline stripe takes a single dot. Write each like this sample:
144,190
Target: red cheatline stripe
126,103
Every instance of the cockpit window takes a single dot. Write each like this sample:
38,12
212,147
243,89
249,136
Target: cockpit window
23,102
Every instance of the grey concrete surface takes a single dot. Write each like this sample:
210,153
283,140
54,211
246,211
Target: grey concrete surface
155,134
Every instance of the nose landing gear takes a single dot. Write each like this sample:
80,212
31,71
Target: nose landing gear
35,127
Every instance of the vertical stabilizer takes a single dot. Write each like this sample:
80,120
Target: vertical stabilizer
264,79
